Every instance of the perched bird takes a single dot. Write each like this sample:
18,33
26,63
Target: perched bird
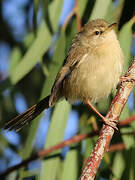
92,68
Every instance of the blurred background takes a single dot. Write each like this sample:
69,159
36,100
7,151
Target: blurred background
34,39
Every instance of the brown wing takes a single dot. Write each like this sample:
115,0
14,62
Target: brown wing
74,58
56,89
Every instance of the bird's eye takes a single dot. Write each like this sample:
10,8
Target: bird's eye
97,32
101,32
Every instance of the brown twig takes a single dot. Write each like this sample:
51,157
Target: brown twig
75,139
78,18
68,19
107,132
44,152
127,121
117,147
75,11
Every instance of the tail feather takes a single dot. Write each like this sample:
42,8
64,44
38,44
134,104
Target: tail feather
23,119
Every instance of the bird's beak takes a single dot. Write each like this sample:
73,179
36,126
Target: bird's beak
110,27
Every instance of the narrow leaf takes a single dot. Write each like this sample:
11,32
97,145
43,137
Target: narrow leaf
15,58
100,9
125,38
54,67
71,165
55,135
33,55
118,165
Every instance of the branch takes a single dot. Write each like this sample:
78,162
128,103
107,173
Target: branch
107,132
114,112
117,147
45,152
78,18
75,139
127,121
75,11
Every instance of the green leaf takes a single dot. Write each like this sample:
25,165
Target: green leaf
55,6
55,136
70,168
58,123
129,158
100,9
56,63
52,11
35,11
125,38
132,169
128,139
33,55
28,40
82,6
15,58
89,145
114,11
118,165
72,30
40,44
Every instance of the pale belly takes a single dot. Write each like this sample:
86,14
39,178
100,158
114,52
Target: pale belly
93,80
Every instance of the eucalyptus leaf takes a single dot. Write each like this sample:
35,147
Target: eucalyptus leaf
82,6
128,139
70,170
15,59
125,38
100,9
33,55
118,165
55,136
35,9
54,67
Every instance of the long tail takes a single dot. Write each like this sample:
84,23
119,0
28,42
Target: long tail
23,119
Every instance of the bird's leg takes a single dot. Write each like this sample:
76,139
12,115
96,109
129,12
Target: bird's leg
94,109
112,123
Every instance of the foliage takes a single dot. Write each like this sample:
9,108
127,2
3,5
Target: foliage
33,66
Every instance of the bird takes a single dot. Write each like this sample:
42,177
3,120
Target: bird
91,70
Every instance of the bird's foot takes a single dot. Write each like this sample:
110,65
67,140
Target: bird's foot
111,122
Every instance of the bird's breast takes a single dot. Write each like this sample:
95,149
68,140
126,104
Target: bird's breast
96,76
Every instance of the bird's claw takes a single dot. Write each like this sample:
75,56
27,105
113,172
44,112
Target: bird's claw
112,122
